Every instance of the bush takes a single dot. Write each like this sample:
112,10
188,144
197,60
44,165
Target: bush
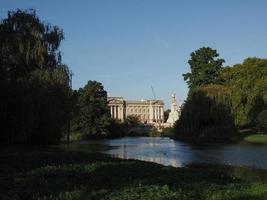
154,133
116,129
168,132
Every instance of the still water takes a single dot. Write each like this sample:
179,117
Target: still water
175,153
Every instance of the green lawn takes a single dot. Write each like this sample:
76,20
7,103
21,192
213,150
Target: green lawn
258,138
47,174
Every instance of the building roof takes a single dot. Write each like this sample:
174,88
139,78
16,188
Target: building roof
146,101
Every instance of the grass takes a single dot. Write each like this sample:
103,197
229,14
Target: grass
257,138
54,174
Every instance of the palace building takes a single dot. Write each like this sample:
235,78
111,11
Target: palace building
149,111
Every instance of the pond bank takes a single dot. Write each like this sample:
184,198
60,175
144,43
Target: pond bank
51,173
256,139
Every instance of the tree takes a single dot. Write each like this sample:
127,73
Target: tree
206,116
248,85
94,116
34,93
133,120
262,121
166,114
27,44
205,68
44,107
117,128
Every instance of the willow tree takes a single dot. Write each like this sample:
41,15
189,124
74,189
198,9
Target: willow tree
32,79
27,44
206,115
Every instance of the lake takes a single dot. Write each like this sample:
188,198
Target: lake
167,151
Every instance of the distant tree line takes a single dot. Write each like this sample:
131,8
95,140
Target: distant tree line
222,100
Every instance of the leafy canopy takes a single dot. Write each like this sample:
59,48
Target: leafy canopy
248,84
27,44
205,68
94,116
34,85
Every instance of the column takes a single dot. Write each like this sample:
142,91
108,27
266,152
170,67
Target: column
162,114
111,111
158,118
116,108
156,113
153,116
114,112
150,113
120,113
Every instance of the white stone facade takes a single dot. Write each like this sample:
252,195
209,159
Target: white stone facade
149,111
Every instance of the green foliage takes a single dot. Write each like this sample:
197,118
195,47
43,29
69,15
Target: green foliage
133,120
162,132
154,133
117,129
27,44
45,104
262,121
93,117
206,116
34,85
218,96
168,132
248,84
205,68
53,174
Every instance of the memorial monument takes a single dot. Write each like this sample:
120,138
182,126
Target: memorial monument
174,114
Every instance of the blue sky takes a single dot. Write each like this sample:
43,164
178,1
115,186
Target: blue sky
131,45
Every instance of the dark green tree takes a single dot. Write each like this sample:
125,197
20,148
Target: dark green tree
262,121
166,114
94,115
34,91
133,120
205,68
206,116
27,44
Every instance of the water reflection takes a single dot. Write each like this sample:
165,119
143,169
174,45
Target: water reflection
169,152
147,149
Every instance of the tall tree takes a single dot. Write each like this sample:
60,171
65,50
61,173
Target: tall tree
206,114
205,68
94,115
34,85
